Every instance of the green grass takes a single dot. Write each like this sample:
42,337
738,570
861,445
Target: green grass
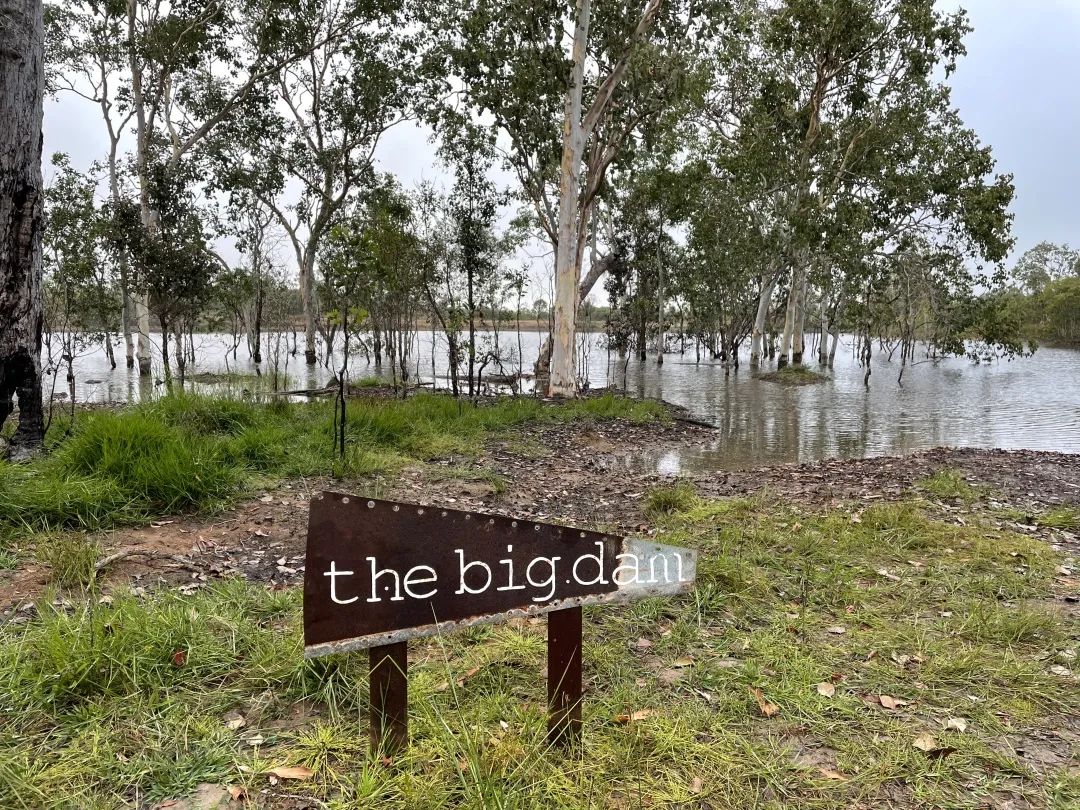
670,499
949,484
71,557
199,453
97,710
1063,517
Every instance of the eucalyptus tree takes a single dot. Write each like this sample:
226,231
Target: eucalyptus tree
22,87
86,57
82,295
199,75
725,262
332,108
850,112
564,86
177,264
1044,263
376,240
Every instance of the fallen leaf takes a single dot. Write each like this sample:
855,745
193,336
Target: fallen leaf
238,793
157,524
836,630
768,709
1058,669
829,773
179,658
643,644
234,721
925,742
683,662
889,702
697,785
884,572
293,772
826,689
957,724
633,717
255,740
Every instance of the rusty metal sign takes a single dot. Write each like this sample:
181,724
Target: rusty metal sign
378,572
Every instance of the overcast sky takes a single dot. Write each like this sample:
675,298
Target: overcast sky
1018,88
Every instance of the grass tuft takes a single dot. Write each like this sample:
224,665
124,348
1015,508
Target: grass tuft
71,556
949,484
671,499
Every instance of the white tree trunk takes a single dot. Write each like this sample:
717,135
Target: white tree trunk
563,377
307,299
22,88
757,336
789,323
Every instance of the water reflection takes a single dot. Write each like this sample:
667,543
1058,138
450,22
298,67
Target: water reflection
1027,403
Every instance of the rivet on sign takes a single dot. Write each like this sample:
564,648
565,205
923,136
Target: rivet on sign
468,517
491,521
583,534
371,504
537,527
345,499
396,508
513,523
419,511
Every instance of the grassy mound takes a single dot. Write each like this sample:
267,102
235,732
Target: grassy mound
197,452
794,375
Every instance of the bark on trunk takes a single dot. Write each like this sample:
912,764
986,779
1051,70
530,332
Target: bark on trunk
22,86
799,326
757,337
789,324
307,299
563,379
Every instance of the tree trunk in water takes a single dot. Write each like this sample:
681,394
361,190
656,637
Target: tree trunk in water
798,344
823,335
181,360
757,338
307,300
22,87
109,349
789,324
165,354
563,379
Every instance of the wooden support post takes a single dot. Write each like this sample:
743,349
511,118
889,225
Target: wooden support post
564,677
389,693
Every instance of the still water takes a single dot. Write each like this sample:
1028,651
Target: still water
1031,402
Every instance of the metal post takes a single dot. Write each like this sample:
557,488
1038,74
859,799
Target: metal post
389,694
564,677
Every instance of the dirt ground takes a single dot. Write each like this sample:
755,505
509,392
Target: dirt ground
577,474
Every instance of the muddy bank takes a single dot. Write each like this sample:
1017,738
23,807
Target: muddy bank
585,474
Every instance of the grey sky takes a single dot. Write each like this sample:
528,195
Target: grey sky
1018,88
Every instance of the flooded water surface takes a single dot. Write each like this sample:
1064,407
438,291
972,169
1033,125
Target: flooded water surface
1027,403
